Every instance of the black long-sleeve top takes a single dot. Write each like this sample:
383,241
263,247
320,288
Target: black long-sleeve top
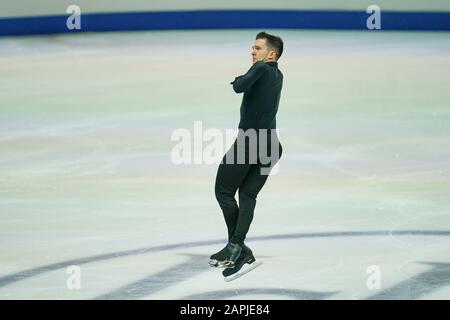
262,90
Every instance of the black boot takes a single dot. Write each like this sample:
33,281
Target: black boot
226,257
233,252
246,256
221,255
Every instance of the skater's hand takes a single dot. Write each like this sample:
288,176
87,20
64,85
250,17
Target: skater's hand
243,83
237,78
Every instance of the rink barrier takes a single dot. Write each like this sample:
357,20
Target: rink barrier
225,19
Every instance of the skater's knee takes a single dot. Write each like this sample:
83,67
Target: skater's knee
246,196
220,192
225,198
247,192
217,193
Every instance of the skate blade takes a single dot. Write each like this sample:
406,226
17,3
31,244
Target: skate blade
241,272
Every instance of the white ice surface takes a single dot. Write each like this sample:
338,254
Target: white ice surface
85,166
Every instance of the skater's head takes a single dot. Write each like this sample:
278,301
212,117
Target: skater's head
267,47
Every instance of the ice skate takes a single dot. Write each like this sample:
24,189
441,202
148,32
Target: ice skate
244,264
227,257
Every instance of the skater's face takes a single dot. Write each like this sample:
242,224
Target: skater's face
260,51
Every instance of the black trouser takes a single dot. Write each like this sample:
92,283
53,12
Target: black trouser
249,177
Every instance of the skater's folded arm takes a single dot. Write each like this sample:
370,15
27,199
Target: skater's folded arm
243,83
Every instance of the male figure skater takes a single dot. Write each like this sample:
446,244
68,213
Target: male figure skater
245,166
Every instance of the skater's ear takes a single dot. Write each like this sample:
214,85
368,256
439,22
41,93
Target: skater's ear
274,43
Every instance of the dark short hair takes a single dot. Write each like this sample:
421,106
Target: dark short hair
273,42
